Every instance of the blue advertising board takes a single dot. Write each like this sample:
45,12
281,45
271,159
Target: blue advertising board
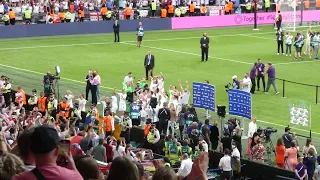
240,103
204,96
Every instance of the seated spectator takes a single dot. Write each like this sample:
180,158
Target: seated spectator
186,166
86,143
45,148
88,167
124,169
10,165
24,149
99,152
164,173
118,150
109,147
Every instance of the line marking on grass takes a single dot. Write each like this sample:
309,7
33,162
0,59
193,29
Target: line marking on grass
103,43
297,62
258,37
182,52
76,81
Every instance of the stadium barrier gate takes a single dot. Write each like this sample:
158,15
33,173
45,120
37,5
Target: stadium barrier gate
303,84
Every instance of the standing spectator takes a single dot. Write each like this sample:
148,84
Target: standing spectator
149,63
225,142
172,121
86,143
258,152
214,136
246,82
253,74
237,139
94,87
310,162
280,151
98,86
280,38
206,131
23,142
6,91
124,169
271,78
291,157
118,150
288,43
182,121
99,152
186,166
300,170
235,151
260,68
45,148
287,138
225,165
251,131
12,17
116,31
69,95
316,45
109,147
164,116
203,143
88,86
309,146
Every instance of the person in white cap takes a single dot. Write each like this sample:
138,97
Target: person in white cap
235,83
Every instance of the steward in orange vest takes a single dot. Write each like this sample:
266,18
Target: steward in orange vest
191,9
317,4
203,10
108,124
104,11
62,16
170,10
128,12
42,102
21,96
64,110
12,17
163,13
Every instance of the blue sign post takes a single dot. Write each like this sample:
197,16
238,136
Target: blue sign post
204,96
240,103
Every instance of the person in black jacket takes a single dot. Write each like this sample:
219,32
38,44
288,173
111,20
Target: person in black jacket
116,30
280,36
204,44
149,62
88,86
164,116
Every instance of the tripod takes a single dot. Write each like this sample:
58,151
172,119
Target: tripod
53,89
270,148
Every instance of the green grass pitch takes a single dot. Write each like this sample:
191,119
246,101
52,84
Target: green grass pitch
233,51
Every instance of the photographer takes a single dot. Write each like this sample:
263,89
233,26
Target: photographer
235,83
47,83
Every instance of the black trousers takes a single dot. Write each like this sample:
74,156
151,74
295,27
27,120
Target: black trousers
163,125
7,99
13,21
68,20
153,13
181,128
280,45
278,24
226,175
253,87
94,94
126,136
116,36
204,52
88,88
128,17
104,17
47,92
81,19
263,82
214,144
148,68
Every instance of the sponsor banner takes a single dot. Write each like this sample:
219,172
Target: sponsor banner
240,19
240,103
204,96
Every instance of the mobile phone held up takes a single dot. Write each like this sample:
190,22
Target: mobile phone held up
64,148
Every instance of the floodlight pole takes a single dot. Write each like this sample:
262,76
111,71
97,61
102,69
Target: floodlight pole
255,26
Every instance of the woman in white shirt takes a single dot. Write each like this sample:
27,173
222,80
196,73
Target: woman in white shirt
154,84
129,154
161,82
69,96
122,101
114,103
288,43
119,150
163,99
309,146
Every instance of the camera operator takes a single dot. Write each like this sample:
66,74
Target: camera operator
47,83
6,90
287,138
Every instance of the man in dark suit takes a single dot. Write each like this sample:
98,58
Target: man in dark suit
149,64
204,44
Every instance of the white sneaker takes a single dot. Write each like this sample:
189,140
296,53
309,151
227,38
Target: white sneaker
278,54
99,103
290,54
286,54
282,53
277,93
310,57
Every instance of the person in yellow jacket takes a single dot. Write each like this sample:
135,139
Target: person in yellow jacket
183,11
6,19
177,12
109,15
27,16
153,8
248,7
267,5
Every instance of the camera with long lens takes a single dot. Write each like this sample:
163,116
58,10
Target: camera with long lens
268,131
228,86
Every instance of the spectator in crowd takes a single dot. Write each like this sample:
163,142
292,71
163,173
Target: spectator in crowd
237,138
109,148
86,143
88,85
172,121
309,146
317,171
164,116
287,138
124,169
118,150
291,157
280,151
300,170
206,131
235,151
99,152
258,152
186,166
182,120
45,148
225,165
164,173
24,141
204,144
251,131
88,167
214,136
10,165
310,163
225,142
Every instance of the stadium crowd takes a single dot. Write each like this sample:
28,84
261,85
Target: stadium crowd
42,138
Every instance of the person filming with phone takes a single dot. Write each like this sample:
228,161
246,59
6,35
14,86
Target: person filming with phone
52,157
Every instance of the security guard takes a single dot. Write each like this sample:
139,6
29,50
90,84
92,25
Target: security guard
109,15
185,148
27,16
6,19
6,91
173,153
248,7
163,12
153,137
267,5
62,15
126,125
12,17
203,10
183,11
168,143
177,12
153,8
33,100
64,110
68,17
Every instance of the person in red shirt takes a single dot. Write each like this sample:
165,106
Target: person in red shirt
109,147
